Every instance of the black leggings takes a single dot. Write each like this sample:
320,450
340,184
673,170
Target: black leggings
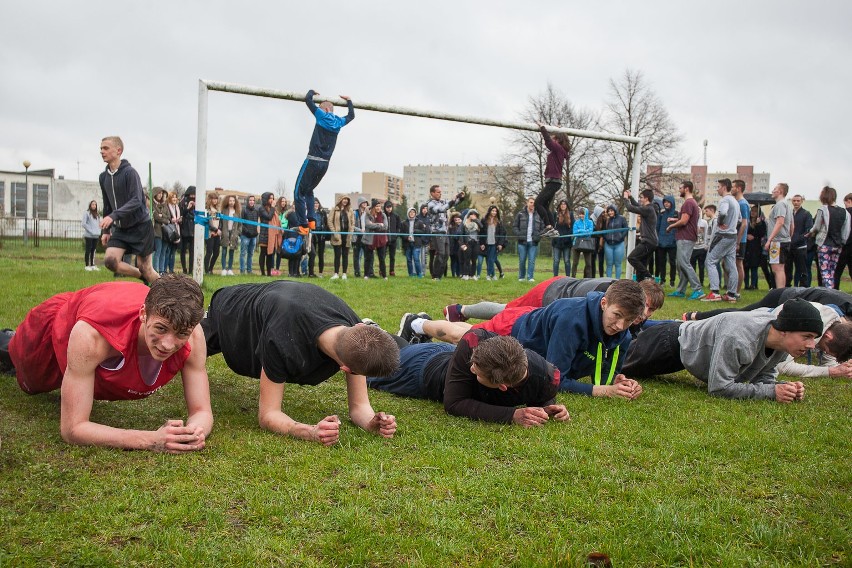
211,255
543,201
772,299
341,253
266,261
187,244
91,246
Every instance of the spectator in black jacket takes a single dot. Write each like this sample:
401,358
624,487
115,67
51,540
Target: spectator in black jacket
318,241
393,222
846,255
187,229
796,267
248,235
492,240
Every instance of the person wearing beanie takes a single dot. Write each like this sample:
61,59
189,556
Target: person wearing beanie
323,141
734,353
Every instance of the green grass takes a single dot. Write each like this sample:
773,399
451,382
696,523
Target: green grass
675,478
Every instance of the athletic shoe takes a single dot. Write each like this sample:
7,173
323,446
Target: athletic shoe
522,279
334,276
422,337
95,267
465,277
712,297
531,280
730,297
343,276
230,272
405,332
224,272
697,295
502,275
6,365
275,273
87,268
453,313
677,294
488,278
476,277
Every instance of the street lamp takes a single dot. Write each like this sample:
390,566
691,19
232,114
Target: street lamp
27,165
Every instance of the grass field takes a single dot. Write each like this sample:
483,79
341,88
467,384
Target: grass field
675,478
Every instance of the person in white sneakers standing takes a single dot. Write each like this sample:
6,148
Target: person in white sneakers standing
91,233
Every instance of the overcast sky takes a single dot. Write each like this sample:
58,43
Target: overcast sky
767,83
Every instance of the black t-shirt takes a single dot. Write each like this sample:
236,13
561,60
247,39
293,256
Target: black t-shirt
463,395
820,295
275,327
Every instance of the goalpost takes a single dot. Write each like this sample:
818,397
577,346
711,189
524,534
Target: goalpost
201,166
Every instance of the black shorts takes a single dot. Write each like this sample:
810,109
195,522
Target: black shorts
138,239
785,253
741,251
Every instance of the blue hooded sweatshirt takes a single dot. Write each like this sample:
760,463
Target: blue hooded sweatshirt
328,125
568,333
666,240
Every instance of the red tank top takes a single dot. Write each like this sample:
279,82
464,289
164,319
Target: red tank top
112,308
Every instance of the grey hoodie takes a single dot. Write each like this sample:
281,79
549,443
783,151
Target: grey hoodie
728,352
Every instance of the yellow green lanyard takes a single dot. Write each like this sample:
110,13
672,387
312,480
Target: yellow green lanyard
611,365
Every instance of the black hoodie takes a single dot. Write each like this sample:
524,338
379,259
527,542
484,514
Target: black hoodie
249,230
124,198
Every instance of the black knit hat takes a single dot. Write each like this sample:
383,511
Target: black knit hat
798,315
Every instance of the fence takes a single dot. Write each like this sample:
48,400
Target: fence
53,233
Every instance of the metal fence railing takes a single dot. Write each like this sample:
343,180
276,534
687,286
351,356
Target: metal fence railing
52,233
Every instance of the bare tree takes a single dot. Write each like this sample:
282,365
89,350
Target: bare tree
581,181
633,109
280,188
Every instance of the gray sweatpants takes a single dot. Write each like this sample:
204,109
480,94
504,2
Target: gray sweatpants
722,248
684,268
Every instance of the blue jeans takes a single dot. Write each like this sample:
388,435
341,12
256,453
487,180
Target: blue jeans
157,261
246,253
562,255
229,264
412,259
167,261
614,256
408,379
490,259
526,260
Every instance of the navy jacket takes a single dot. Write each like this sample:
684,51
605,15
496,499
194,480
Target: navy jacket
124,198
567,333
326,129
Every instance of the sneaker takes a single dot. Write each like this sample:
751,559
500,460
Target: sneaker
502,275
405,332
531,280
392,273
488,278
224,272
677,294
476,277
366,278
730,297
230,272
6,365
697,295
454,313
422,337
343,276
712,297
465,277
275,273
521,279
334,276
95,267
87,268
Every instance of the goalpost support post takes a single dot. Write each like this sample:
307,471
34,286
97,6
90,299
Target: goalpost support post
201,166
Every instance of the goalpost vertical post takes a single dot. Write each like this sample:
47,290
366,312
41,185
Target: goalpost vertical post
201,170
200,182
634,191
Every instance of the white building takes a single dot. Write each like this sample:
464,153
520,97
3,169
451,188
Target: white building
479,179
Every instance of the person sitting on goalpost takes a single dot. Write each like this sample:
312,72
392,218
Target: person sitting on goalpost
544,294
321,147
580,336
292,332
485,377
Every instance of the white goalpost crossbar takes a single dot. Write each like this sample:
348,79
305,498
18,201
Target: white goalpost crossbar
201,165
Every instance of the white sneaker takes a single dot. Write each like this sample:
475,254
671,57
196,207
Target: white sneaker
343,276
224,272
88,269
465,278
488,278
531,280
476,277
95,267
230,272
334,276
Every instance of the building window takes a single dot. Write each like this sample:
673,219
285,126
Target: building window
40,200
19,199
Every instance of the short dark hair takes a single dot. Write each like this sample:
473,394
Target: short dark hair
433,188
725,182
828,195
628,295
368,350
501,360
740,184
840,344
848,197
648,194
710,206
178,299
688,185
654,293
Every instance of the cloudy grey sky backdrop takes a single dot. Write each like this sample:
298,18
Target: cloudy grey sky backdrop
766,82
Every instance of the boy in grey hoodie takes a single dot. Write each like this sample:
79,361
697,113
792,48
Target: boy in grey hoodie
735,353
